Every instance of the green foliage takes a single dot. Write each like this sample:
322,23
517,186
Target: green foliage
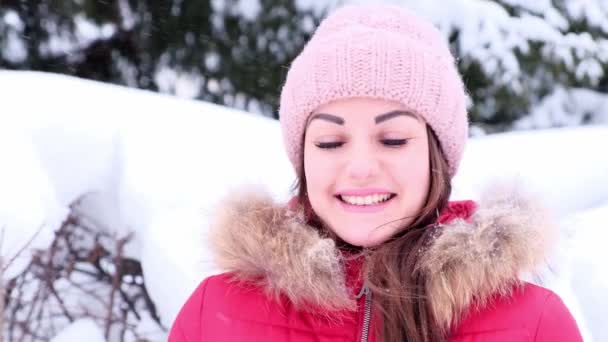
241,59
234,55
548,62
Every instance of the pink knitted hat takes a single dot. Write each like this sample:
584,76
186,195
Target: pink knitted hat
377,51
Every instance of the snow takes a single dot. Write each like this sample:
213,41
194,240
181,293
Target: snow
537,7
489,33
88,31
180,84
567,107
11,18
14,49
592,11
589,278
250,8
317,6
176,242
128,18
567,186
29,207
157,165
495,35
78,330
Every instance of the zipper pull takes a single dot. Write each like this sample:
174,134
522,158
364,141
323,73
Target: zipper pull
363,292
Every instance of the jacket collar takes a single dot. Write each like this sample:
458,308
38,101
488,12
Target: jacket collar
481,250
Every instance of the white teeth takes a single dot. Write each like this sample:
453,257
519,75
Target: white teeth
365,200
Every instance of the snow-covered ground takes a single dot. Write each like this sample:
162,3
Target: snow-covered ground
156,165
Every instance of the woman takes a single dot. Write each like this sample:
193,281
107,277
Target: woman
374,121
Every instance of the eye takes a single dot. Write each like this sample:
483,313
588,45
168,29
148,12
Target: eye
394,142
329,145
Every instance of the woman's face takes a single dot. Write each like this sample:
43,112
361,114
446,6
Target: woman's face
366,163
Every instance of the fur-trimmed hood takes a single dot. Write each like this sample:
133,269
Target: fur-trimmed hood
264,242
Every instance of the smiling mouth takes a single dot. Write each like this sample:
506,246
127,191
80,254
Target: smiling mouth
369,200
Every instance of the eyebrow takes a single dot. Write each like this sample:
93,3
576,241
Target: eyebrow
387,116
327,117
378,119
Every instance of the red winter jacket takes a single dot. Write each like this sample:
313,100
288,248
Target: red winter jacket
286,283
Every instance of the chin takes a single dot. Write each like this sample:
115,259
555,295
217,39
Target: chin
363,241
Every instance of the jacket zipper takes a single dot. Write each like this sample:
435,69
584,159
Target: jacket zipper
367,311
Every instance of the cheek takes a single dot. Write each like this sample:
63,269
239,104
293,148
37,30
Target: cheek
314,169
414,172
422,172
317,167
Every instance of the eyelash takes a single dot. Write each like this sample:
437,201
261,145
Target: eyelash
386,142
394,142
329,145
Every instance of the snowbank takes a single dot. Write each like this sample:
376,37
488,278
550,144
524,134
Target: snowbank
29,208
78,330
157,165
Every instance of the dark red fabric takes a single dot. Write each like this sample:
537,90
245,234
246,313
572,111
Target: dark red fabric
457,209
222,310
531,313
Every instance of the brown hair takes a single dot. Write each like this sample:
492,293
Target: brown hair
391,269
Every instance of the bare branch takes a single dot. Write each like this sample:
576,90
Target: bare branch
26,245
81,274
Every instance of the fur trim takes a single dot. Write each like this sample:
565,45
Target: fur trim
262,242
470,261
509,234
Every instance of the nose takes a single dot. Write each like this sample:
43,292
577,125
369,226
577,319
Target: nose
362,165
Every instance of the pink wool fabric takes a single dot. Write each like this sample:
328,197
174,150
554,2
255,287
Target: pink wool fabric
377,51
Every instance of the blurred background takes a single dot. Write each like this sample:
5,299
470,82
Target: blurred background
123,122
526,64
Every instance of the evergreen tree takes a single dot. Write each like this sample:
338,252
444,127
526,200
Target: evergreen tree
241,59
515,56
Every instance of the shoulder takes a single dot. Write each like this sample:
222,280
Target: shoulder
222,309
220,293
530,313
211,295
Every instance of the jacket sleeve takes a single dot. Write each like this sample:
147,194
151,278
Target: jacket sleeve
556,323
187,327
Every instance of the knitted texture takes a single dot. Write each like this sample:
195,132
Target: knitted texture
383,52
